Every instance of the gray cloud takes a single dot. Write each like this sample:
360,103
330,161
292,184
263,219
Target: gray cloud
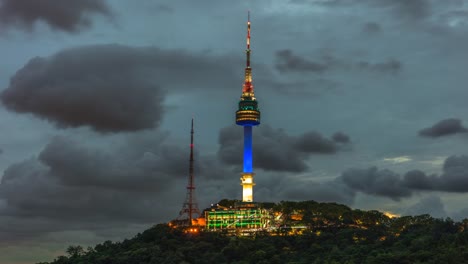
454,177
163,8
391,66
406,9
376,182
69,16
274,149
278,186
371,28
98,86
455,174
108,87
332,191
390,184
73,186
313,142
288,62
412,9
444,127
459,16
74,165
429,205
341,137
417,179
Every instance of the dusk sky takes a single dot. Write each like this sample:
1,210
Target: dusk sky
363,102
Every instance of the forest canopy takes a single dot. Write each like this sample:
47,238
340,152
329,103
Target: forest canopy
335,234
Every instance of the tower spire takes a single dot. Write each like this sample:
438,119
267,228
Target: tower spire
248,39
248,86
190,206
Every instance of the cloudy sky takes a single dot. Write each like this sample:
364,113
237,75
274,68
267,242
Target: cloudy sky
363,103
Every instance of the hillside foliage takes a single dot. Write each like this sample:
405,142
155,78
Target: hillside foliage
334,234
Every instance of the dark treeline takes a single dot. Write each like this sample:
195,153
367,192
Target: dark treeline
334,234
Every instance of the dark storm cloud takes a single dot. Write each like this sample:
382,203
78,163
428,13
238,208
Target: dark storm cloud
455,174
454,177
407,9
390,66
417,179
376,182
413,9
70,16
460,16
390,184
373,182
164,8
127,167
275,150
288,62
371,28
341,137
444,127
331,191
31,191
278,186
91,186
313,142
74,165
74,186
108,87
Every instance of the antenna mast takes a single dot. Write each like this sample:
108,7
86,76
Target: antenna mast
190,206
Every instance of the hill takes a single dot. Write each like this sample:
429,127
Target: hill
335,234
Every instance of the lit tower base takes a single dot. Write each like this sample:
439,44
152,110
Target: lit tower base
247,186
248,116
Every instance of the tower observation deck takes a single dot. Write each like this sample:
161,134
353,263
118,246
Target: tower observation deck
248,116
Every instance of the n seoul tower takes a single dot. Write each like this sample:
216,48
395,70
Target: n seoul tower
248,116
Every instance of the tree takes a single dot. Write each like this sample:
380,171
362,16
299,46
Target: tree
75,251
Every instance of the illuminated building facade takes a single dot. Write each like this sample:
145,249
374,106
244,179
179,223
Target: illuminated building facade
248,116
239,220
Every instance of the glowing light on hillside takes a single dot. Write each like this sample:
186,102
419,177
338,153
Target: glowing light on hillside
391,215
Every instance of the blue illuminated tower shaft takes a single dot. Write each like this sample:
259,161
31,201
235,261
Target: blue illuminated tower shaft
248,168
247,176
248,116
